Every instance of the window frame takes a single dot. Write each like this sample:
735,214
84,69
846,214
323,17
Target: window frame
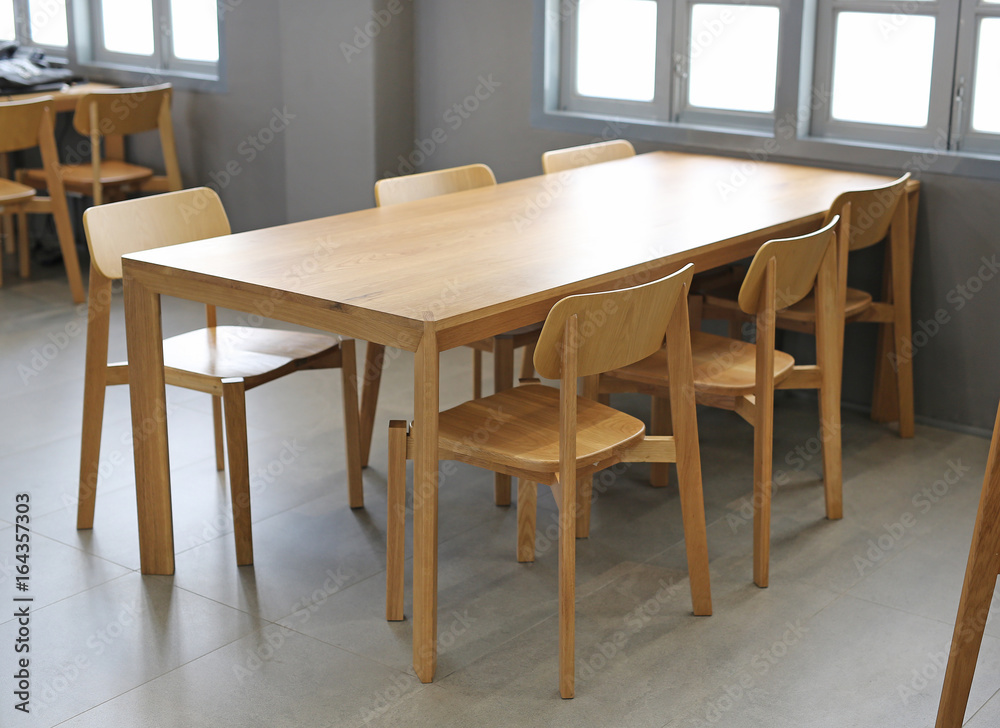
22,32
670,101
939,107
789,140
964,138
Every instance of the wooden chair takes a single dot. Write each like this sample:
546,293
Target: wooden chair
874,214
224,361
556,438
397,190
559,160
112,115
25,125
977,595
734,375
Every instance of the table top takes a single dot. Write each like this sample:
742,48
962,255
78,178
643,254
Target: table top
520,245
65,98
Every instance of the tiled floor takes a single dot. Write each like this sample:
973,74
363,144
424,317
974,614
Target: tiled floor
851,632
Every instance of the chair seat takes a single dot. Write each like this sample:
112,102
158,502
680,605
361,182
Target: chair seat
520,430
722,366
113,172
803,311
12,192
241,351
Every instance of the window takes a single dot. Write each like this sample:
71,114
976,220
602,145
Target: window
122,40
673,60
167,36
36,23
872,82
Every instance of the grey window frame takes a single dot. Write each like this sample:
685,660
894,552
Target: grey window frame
797,102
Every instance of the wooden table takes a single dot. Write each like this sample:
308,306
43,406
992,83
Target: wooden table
431,275
65,98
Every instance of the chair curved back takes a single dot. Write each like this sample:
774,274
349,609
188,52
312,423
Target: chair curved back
797,262
559,160
144,223
871,211
616,328
20,122
395,190
121,111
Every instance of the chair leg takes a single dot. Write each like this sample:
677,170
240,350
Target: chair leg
349,381
567,588
234,398
395,538
374,360
527,512
584,494
23,245
885,407
503,378
477,374
220,450
94,385
528,361
904,372
661,424
90,448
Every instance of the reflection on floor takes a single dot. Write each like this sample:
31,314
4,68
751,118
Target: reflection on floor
852,631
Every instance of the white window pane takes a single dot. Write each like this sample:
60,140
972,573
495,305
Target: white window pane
128,26
986,93
734,57
48,22
882,68
616,49
195,29
7,29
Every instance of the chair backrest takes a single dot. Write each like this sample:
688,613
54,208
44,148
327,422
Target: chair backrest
121,111
616,328
394,190
797,261
871,211
20,122
151,222
559,160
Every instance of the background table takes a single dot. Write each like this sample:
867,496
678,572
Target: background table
434,274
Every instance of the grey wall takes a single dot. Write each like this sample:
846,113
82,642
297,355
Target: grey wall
957,370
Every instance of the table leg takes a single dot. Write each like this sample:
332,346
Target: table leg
503,378
829,356
149,427
977,594
426,403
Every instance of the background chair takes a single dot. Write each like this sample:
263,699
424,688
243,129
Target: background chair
112,115
396,190
734,375
977,595
868,216
559,160
223,361
556,438
25,125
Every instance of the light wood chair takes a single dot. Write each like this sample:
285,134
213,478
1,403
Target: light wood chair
397,190
25,125
557,438
111,115
874,214
560,160
977,595
224,361
734,375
